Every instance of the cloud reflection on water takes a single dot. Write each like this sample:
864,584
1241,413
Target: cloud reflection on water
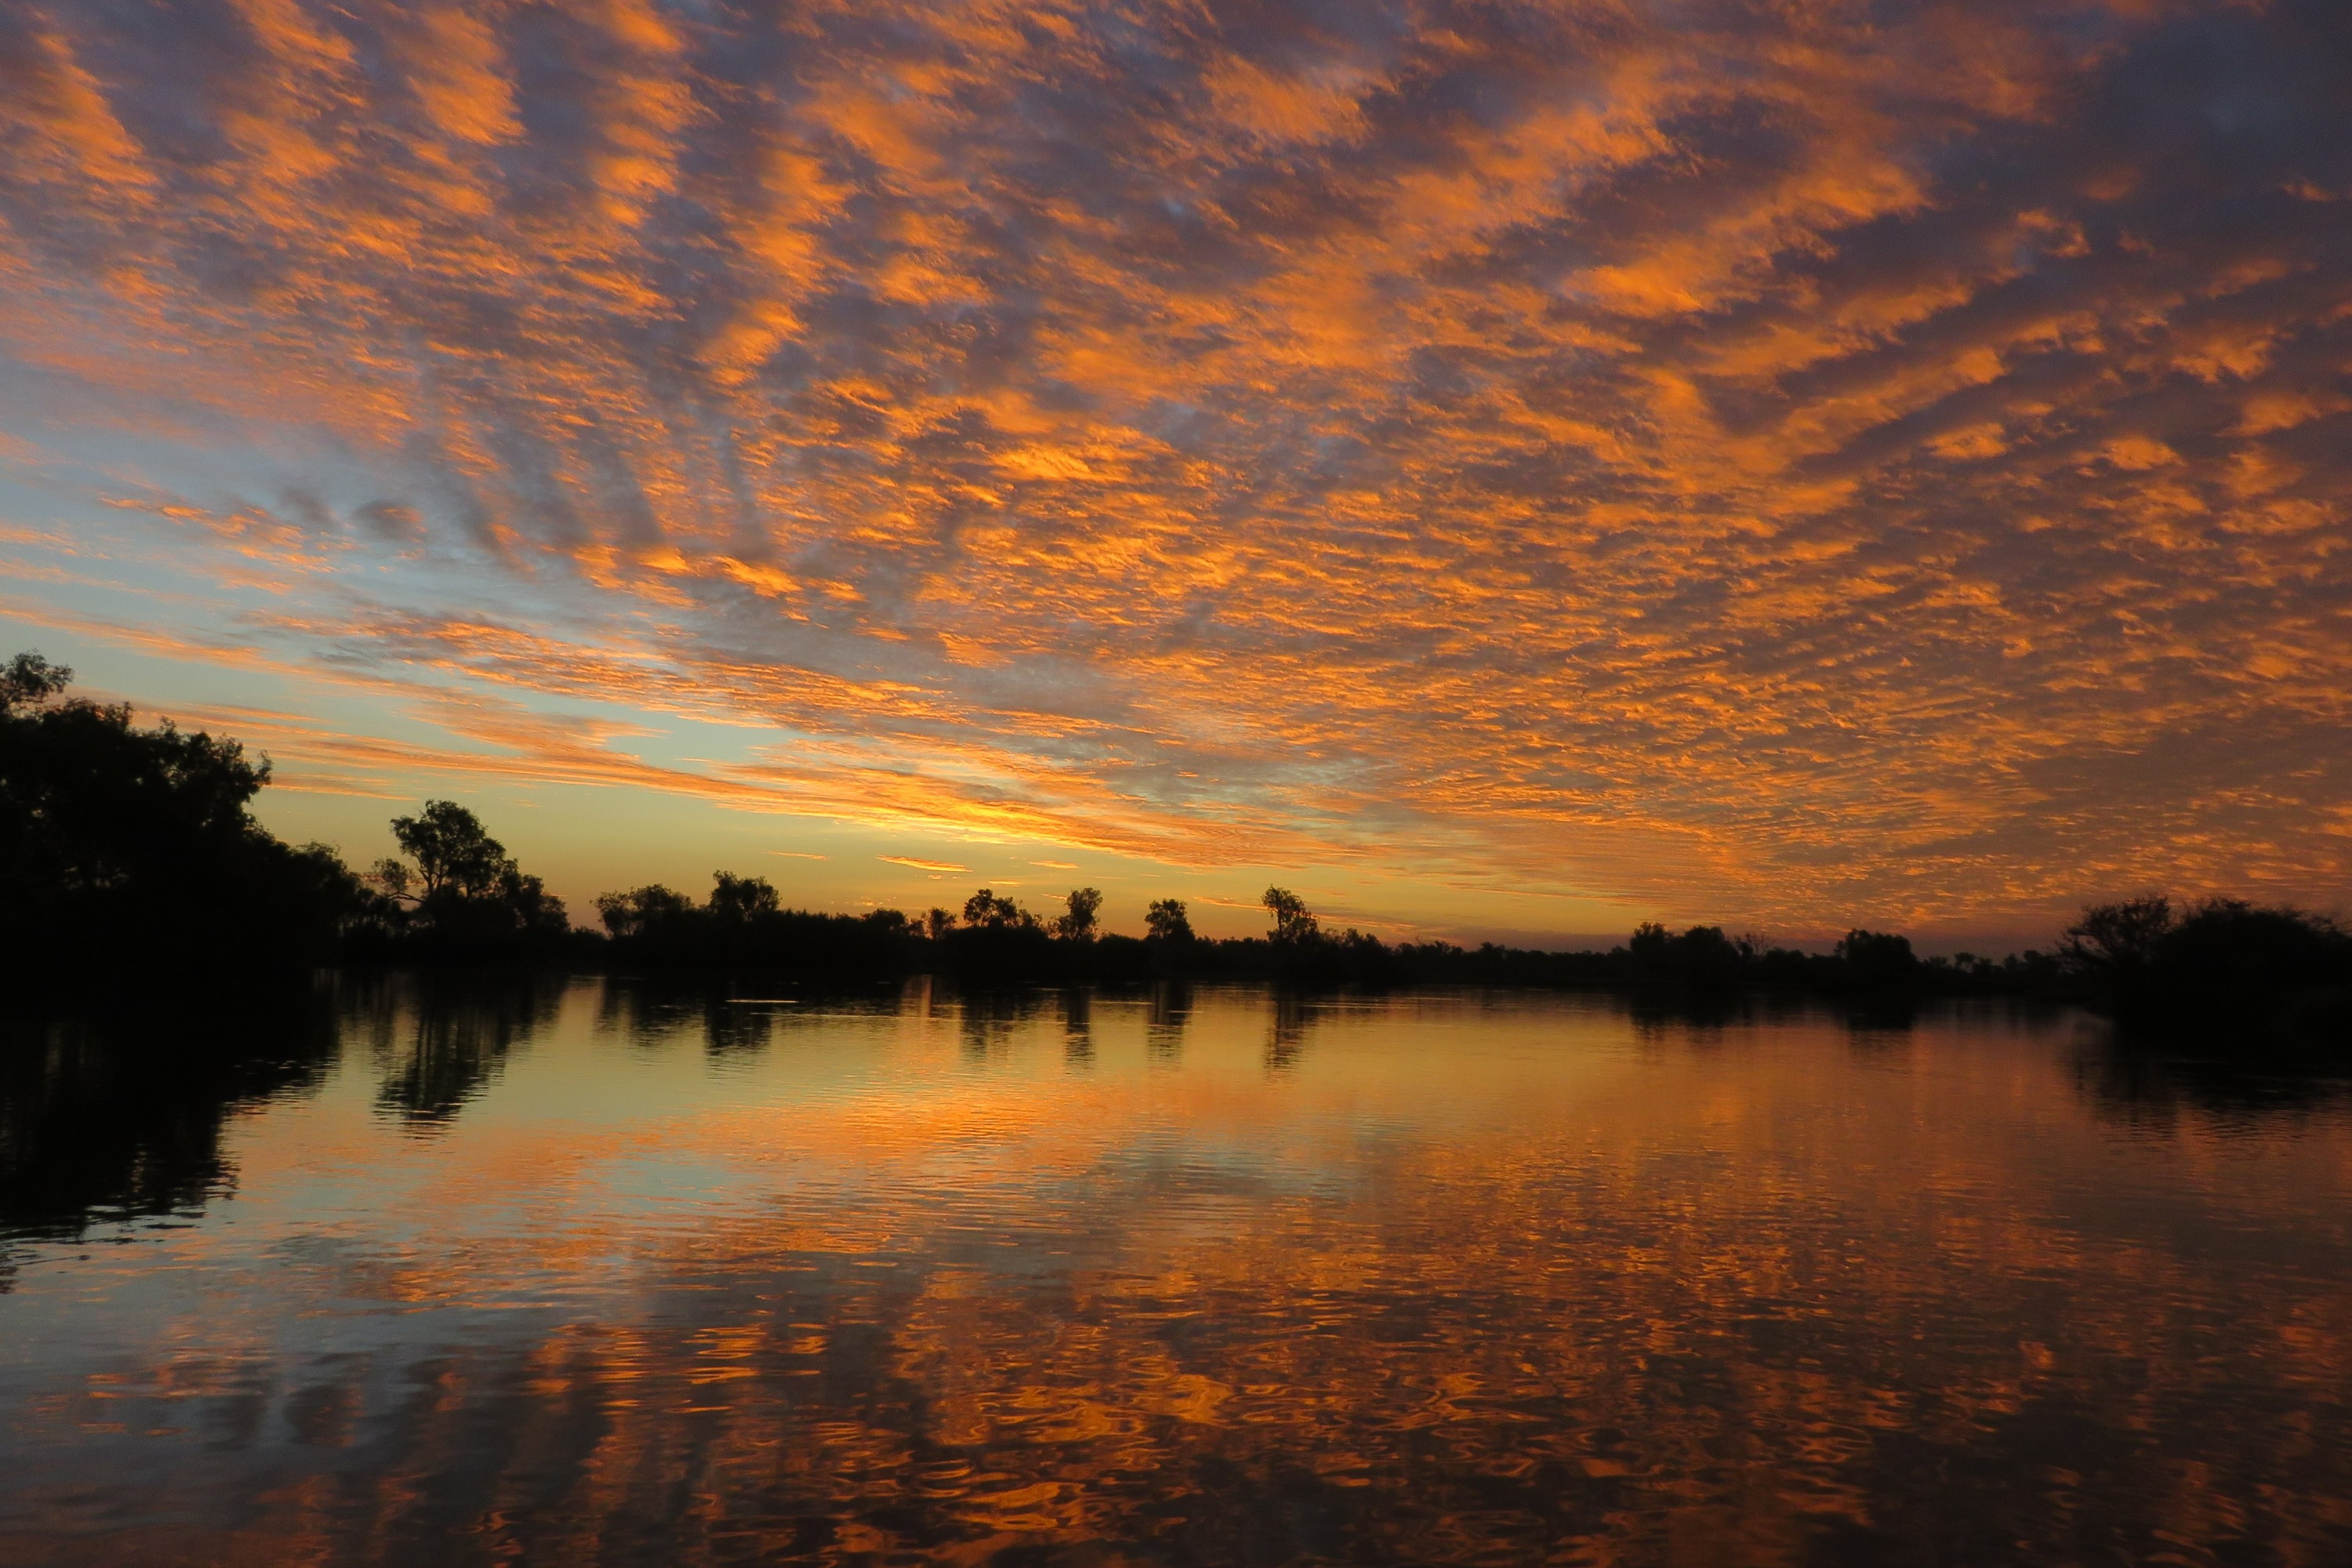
1449,1280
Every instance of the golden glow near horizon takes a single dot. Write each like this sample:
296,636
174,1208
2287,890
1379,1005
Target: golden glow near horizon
1533,467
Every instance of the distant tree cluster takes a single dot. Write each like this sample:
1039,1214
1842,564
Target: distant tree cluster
742,928
131,848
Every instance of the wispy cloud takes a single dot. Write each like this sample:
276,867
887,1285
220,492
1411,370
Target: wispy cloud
923,865
1760,461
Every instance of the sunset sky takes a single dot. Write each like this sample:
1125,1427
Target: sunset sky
1501,470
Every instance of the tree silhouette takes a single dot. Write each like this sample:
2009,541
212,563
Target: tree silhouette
119,844
471,890
742,929
1702,959
739,898
1878,960
122,846
2118,943
452,850
2230,972
1078,925
643,909
1293,923
1167,920
30,680
985,911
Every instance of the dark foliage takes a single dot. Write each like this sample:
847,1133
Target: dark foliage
464,901
1701,959
1878,961
2224,977
115,1114
743,929
462,1030
1079,924
131,848
740,931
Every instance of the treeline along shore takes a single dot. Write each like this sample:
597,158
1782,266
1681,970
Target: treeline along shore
127,850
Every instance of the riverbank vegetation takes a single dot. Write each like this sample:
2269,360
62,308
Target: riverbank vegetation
130,850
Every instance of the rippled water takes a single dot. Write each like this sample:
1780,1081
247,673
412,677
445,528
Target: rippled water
580,1276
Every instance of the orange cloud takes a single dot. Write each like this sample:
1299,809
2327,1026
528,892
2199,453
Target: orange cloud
1772,465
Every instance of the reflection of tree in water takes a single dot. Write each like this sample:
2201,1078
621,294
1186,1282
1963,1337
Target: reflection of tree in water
1286,1037
1077,1027
1530,1339
1696,1021
1881,1027
651,1014
2132,1083
647,1013
1502,1352
734,1028
919,996
459,1043
116,1116
1166,1014
990,1018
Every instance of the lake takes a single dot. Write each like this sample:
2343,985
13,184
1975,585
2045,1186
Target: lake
579,1273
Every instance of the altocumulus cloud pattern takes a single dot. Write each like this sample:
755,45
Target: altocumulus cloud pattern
1778,456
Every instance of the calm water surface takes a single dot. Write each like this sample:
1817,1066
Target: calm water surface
580,1275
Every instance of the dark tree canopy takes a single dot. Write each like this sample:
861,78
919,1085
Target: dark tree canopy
1085,906
1167,920
2222,969
741,898
453,851
123,845
2118,942
1878,960
640,909
985,909
1293,923
470,889
30,680
742,929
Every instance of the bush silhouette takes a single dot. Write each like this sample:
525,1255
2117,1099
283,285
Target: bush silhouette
2227,971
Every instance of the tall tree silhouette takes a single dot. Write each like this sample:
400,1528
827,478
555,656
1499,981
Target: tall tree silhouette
1295,924
453,851
465,888
1084,904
